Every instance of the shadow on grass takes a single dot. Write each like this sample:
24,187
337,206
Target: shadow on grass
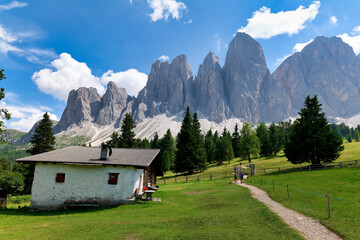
25,210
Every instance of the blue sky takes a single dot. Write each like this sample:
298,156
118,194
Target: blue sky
48,48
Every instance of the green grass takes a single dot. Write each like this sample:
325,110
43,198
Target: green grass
341,183
214,209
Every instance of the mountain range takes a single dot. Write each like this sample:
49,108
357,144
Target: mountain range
243,89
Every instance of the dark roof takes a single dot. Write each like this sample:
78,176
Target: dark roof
88,155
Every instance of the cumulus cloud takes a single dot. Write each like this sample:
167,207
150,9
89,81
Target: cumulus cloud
300,46
164,58
353,41
356,29
163,9
23,117
68,74
14,4
333,20
265,24
132,80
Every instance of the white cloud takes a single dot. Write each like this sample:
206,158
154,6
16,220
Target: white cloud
164,58
356,29
280,60
132,80
68,74
23,117
353,41
45,108
6,36
300,46
333,20
188,22
264,24
6,47
165,8
14,4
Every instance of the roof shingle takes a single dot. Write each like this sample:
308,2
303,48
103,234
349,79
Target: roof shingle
89,155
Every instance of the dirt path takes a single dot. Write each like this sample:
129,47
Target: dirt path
309,228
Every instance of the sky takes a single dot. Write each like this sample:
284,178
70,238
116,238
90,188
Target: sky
48,48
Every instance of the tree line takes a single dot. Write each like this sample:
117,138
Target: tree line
345,132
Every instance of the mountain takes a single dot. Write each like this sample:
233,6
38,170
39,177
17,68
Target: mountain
328,68
242,90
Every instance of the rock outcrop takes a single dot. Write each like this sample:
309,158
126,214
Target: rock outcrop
328,68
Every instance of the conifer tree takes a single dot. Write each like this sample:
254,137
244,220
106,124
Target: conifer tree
43,140
155,142
275,139
210,147
168,150
114,141
311,138
183,160
249,142
127,136
262,132
225,151
199,154
356,135
235,141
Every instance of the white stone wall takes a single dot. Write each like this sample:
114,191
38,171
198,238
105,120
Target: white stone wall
83,183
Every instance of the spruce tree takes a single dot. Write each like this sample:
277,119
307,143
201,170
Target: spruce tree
235,141
183,160
199,154
311,138
155,142
210,147
249,142
43,140
262,132
226,151
127,136
275,139
168,149
114,141
356,135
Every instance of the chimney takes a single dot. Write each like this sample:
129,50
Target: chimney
104,152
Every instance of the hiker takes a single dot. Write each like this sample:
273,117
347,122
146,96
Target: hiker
235,177
241,177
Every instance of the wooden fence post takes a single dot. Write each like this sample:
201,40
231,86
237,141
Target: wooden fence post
340,165
309,167
175,179
264,171
198,177
164,181
325,166
225,173
356,162
210,176
279,169
186,178
287,187
328,198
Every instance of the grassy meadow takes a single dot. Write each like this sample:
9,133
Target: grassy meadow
205,209
341,183
214,209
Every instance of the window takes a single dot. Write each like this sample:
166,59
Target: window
60,177
113,178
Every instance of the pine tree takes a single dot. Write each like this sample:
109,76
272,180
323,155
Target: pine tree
114,142
168,150
183,160
235,141
155,142
225,151
127,136
262,132
210,147
311,138
275,139
356,135
43,140
199,154
349,140
249,142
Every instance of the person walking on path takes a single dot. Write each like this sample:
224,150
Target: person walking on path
241,177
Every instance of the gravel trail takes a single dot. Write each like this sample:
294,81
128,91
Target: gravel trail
309,228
